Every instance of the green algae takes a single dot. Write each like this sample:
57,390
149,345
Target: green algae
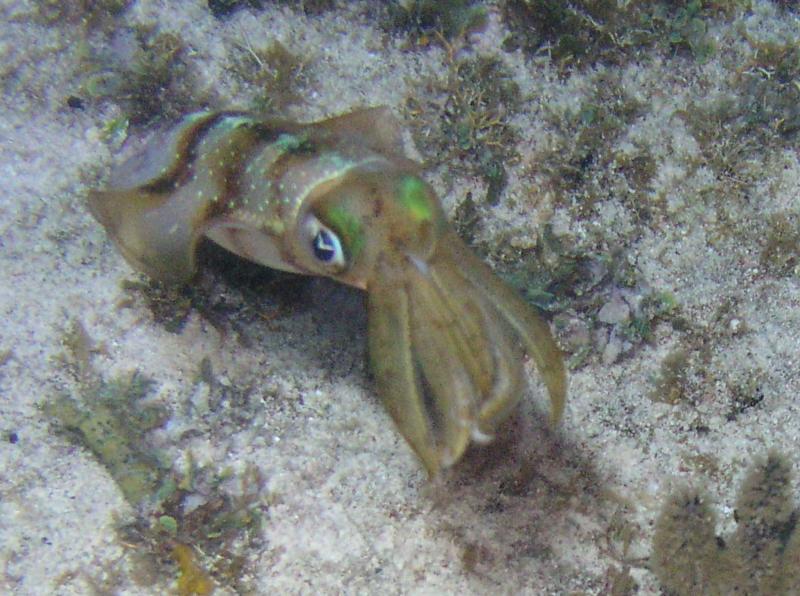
780,255
112,418
111,422
671,383
153,81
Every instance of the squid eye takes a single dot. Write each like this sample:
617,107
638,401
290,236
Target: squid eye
325,244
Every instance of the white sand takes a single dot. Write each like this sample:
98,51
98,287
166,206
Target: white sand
346,506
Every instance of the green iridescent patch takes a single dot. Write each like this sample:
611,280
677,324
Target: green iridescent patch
288,143
413,195
349,228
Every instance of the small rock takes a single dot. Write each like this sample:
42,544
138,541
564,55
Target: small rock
612,350
735,326
614,312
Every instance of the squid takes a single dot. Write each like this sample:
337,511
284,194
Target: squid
447,338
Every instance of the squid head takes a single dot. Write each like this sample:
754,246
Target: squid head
446,335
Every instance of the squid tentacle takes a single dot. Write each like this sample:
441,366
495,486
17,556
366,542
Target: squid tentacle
392,363
531,329
446,337
438,342
508,384
501,371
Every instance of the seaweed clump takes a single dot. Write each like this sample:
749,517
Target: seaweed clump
586,32
769,88
182,513
445,18
762,111
90,14
111,421
671,385
278,76
224,8
761,557
780,255
470,124
111,417
148,75
583,168
193,579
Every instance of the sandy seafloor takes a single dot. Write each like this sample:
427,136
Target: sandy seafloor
346,507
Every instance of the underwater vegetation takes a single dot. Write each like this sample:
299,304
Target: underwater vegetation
581,166
448,18
113,419
762,556
780,255
114,428
193,580
91,13
149,78
278,75
587,32
469,127
224,8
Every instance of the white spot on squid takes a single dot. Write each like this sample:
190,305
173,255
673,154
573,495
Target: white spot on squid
480,437
421,265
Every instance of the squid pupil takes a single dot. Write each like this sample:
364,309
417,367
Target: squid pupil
324,246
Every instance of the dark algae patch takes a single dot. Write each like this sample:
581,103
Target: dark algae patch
428,18
780,255
590,32
464,120
277,76
762,556
151,78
